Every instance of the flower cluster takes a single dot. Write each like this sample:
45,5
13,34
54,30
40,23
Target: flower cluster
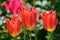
29,18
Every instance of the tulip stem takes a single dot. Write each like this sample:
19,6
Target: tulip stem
35,34
24,34
50,36
14,38
33,2
30,35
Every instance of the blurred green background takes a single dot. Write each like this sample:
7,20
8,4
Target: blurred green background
41,33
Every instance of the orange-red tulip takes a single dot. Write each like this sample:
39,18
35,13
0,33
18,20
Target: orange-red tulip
29,17
13,26
49,20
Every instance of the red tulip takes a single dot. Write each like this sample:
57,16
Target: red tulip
29,17
13,26
49,20
13,6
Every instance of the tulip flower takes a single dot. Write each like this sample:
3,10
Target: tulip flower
49,20
13,26
13,5
29,17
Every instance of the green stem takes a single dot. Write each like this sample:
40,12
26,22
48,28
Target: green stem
30,35
33,2
14,38
24,34
35,34
50,36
